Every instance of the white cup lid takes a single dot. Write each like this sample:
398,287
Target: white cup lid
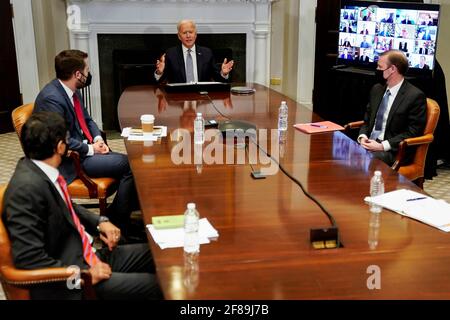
148,117
191,206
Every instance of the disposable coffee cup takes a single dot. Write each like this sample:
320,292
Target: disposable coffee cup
147,121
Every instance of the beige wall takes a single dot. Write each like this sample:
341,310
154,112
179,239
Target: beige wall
291,48
284,46
277,44
49,19
443,51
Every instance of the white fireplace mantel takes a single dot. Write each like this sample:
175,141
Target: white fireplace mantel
88,18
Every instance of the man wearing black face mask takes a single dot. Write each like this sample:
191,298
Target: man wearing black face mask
61,95
396,109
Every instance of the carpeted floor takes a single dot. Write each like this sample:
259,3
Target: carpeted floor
11,151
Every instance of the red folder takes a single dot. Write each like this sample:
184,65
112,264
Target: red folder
316,127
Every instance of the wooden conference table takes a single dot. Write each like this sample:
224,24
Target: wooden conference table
263,250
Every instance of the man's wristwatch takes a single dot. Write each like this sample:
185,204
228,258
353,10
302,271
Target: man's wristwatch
101,220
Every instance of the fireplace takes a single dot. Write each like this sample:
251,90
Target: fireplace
130,59
100,20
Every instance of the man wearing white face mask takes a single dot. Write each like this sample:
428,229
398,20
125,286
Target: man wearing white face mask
396,109
61,95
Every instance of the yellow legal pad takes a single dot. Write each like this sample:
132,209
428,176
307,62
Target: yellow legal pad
168,222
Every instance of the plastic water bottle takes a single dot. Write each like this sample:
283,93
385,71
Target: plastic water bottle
191,224
376,188
283,116
199,129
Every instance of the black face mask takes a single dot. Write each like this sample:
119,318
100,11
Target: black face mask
87,82
66,150
379,76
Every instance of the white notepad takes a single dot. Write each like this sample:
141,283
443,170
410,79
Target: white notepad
174,238
418,206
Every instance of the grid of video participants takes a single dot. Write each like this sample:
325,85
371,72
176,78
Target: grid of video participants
366,32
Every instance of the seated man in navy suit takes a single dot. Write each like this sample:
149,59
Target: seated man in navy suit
396,109
189,62
61,95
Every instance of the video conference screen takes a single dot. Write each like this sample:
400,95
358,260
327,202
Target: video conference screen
368,28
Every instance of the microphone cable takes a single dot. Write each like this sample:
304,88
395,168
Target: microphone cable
297,182
214,105
306,193
249,162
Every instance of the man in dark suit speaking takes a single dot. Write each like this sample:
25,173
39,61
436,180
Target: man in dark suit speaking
396,109
62,96
189,62
48,230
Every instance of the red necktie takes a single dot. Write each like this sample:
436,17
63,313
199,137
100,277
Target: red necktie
88,253
80,117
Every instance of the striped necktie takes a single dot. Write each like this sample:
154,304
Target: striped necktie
88,252
189,67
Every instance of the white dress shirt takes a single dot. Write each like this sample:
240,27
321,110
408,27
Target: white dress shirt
393,93
70,94
52,173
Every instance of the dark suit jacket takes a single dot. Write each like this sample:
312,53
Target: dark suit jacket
364,58
347,29
426,37
425,66
41,227
403,47
54,98
407,22
175,70
346,57
406,118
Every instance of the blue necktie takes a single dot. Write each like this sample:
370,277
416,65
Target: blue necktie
380,115
189,67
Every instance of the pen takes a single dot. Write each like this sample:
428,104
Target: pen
318,125
414,199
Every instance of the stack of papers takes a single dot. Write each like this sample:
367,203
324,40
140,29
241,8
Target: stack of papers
134,134
418,206
174,238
